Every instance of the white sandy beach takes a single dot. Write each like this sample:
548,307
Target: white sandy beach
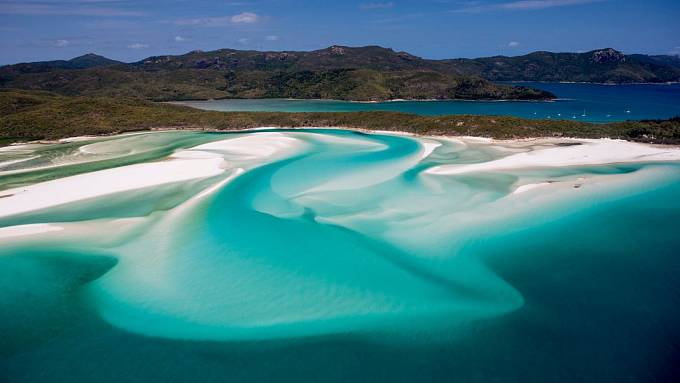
208,160
200,162
526,187
582,152
90,185
22,230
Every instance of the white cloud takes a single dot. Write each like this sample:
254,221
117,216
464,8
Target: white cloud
180,39
138,46
542,4
61,43
243,41
523,5
272,38
369,6
513,44
245,18
220,21
204,21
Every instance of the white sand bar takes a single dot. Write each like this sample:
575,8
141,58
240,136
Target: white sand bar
198,163
527,187
253,146
31,229
90,185
588,152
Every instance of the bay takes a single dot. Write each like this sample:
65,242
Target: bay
580,102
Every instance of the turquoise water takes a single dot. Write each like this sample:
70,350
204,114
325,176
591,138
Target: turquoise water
339,257
580,102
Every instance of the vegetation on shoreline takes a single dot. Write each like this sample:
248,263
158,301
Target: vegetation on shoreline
31,115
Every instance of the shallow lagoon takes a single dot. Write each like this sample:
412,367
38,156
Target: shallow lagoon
335,255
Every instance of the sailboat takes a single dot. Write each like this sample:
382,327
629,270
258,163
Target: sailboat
584,113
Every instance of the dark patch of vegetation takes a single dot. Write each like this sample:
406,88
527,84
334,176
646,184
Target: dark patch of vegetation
365,74
599,66
340,84
345,73
29,115
89,60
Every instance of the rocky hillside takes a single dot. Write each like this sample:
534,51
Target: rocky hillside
601,66
367,73
331,58
604,65
337,72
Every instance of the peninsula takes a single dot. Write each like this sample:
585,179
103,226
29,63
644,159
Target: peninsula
38,115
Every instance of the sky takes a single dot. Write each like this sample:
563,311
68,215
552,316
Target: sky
130,30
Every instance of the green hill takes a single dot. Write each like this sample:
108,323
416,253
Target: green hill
364,74
369,73
89,60
31,115
600,66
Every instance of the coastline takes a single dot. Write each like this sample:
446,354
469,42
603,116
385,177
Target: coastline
394,100
358,129
185,102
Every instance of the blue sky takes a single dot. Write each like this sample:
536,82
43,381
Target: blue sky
130,30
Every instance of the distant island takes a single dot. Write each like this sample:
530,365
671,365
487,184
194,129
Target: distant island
370,73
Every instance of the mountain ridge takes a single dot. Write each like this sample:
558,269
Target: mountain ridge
369,73
85,61
597,66
377,57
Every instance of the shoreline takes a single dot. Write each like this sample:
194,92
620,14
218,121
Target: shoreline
180,102
362,130
394,100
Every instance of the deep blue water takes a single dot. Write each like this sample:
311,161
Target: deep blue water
580,102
